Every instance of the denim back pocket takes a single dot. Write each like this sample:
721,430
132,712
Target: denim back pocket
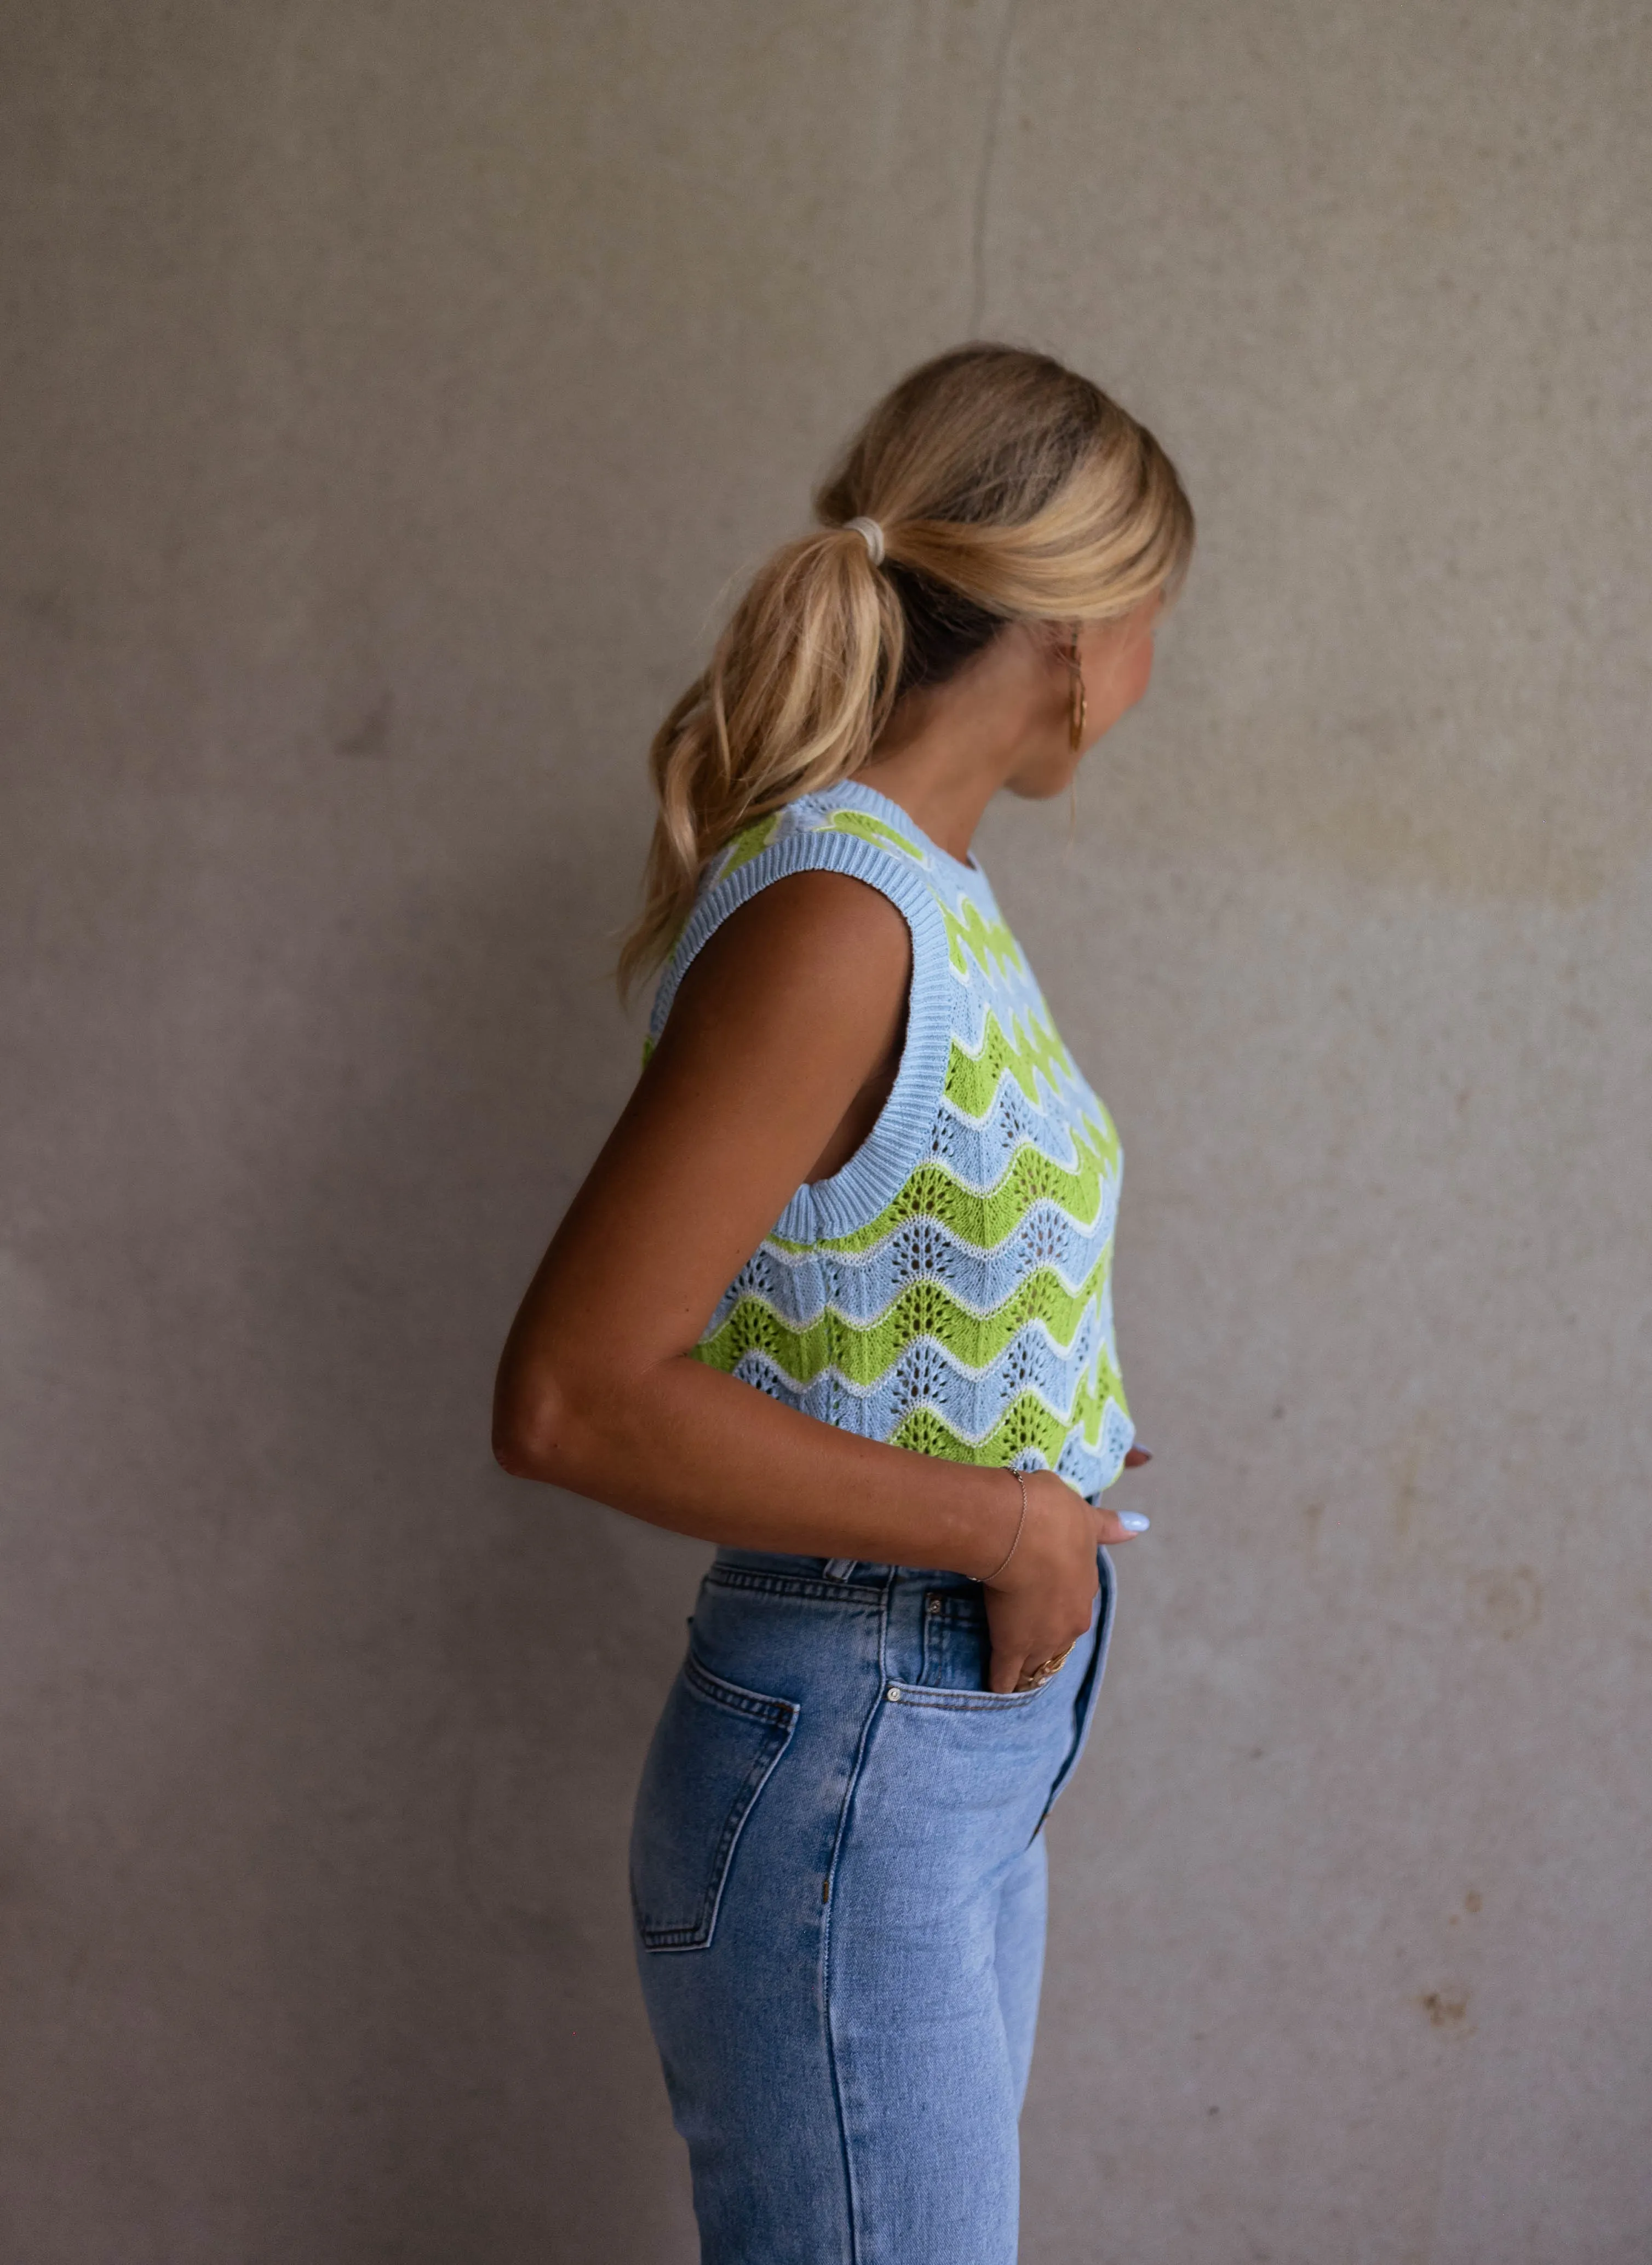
711,1756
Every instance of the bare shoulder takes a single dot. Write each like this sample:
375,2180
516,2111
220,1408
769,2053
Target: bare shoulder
824,946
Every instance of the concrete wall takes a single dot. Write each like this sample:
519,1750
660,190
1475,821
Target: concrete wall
388,394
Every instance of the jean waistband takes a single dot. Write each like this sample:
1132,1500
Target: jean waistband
849,1573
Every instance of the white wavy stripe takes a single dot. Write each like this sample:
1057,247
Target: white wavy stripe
1069,1092
754,1366
1072,1102
1017,998
746,1292
997,1139
1009,999
1088,1232
1089,1336
794,1288
1004,1165
1016,1025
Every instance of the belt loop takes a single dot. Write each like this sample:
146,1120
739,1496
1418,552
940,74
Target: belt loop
839,1569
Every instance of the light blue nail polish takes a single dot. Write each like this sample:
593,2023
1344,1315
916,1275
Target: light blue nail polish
1133,1521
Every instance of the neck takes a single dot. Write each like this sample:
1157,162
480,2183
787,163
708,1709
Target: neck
923,777
948,750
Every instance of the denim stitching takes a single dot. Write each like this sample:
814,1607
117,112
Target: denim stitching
852,2211
781,1712
988,1702
790,1584
1090,1689
781,1716
697,1935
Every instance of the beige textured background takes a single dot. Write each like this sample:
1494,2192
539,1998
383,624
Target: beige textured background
388,394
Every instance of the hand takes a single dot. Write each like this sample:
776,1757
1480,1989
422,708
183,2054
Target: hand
1040,1605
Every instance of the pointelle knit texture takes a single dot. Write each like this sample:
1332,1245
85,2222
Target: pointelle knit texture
949,1289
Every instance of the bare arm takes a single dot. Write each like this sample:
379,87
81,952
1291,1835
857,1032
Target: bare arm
777,1032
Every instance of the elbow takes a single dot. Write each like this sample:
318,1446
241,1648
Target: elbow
536,1432
514,1450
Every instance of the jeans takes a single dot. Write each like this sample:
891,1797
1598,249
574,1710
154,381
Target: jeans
838,1882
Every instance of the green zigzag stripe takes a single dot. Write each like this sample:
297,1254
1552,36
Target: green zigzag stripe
750,843
865,1350
934,1193
1026,1422
871,829
1030,1045
971,934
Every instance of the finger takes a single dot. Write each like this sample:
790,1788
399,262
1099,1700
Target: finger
1137,1457
1005,1671
1119,1525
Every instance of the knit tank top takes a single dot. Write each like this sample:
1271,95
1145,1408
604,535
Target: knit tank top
949,1290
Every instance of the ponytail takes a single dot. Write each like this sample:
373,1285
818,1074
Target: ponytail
799,685
1005,488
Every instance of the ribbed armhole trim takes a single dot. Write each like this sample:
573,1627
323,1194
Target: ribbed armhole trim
879,1168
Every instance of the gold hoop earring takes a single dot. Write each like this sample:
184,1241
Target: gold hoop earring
1078,706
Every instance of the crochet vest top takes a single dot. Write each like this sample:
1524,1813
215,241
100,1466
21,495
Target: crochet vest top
949,1289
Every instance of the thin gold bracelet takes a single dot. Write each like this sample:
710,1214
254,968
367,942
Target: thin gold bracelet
984,1577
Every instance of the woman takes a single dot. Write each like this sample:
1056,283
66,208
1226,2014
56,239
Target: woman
862,1174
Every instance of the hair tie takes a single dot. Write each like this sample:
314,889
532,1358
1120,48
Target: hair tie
872,535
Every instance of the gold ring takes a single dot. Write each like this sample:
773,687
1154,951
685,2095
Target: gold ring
1045,1669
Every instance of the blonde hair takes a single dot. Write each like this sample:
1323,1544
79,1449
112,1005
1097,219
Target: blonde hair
1008,489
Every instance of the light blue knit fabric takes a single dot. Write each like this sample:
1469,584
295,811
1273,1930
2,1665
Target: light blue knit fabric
949,1290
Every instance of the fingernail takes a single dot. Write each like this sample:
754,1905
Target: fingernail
1133,1521
1143,1450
